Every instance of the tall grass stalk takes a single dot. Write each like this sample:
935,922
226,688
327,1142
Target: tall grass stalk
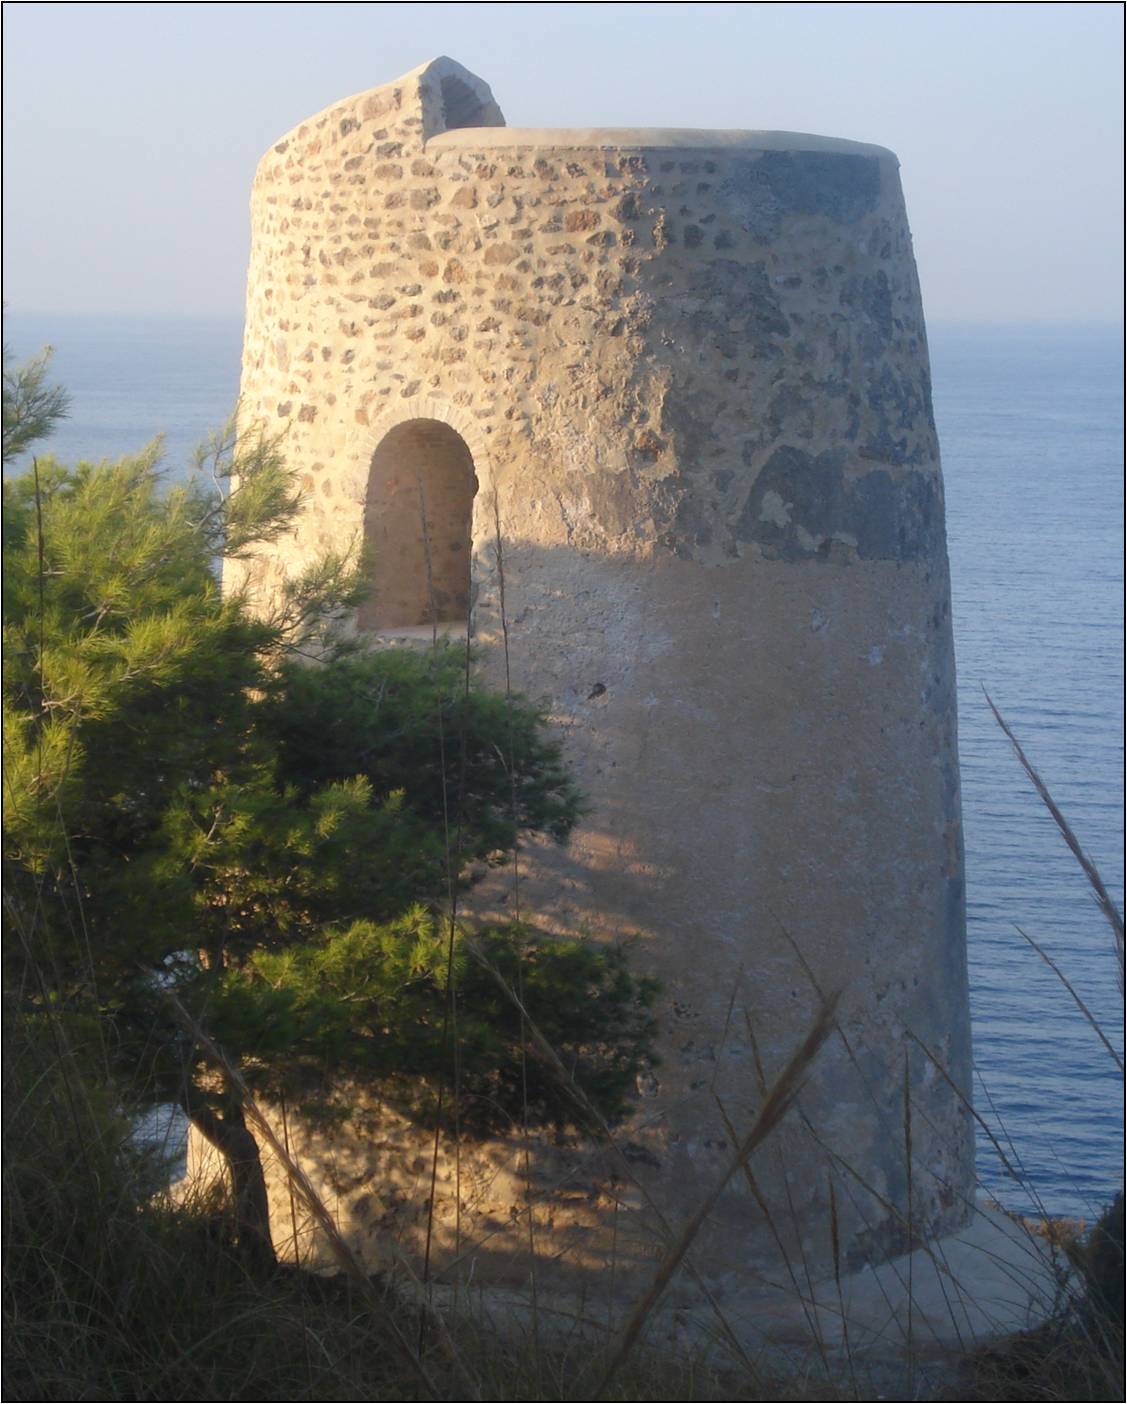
1063,978
778,1102
1091,872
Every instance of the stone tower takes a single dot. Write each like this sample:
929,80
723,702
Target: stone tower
682,377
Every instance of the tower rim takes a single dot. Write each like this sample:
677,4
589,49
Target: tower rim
654,139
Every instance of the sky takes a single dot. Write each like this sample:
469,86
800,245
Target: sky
131,132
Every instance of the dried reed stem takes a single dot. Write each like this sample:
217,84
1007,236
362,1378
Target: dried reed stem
967,1103
835,1246
595,1122
1106,905
1063,978
805,1299
778,1102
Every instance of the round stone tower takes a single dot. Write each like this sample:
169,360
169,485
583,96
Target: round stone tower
665,394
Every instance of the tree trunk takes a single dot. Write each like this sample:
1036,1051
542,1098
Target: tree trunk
230,1137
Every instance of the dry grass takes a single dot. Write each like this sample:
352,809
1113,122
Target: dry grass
109,1296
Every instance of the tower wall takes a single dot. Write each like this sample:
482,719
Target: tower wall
692,374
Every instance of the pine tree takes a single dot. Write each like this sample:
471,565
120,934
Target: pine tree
193,809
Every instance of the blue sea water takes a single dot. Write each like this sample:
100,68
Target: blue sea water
1031,429
1031,426
130,380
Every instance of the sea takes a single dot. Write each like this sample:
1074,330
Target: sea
1031,428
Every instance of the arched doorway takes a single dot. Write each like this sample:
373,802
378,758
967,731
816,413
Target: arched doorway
417,522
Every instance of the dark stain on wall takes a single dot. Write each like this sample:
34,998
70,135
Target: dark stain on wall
836,185
890,518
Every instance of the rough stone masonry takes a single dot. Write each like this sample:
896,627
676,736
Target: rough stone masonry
683,376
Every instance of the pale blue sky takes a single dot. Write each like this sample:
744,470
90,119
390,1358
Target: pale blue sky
132,132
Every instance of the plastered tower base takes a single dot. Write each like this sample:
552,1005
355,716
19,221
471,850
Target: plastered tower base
690,372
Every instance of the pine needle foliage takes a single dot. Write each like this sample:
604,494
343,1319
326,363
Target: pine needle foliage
369,1001
193,806
32,407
